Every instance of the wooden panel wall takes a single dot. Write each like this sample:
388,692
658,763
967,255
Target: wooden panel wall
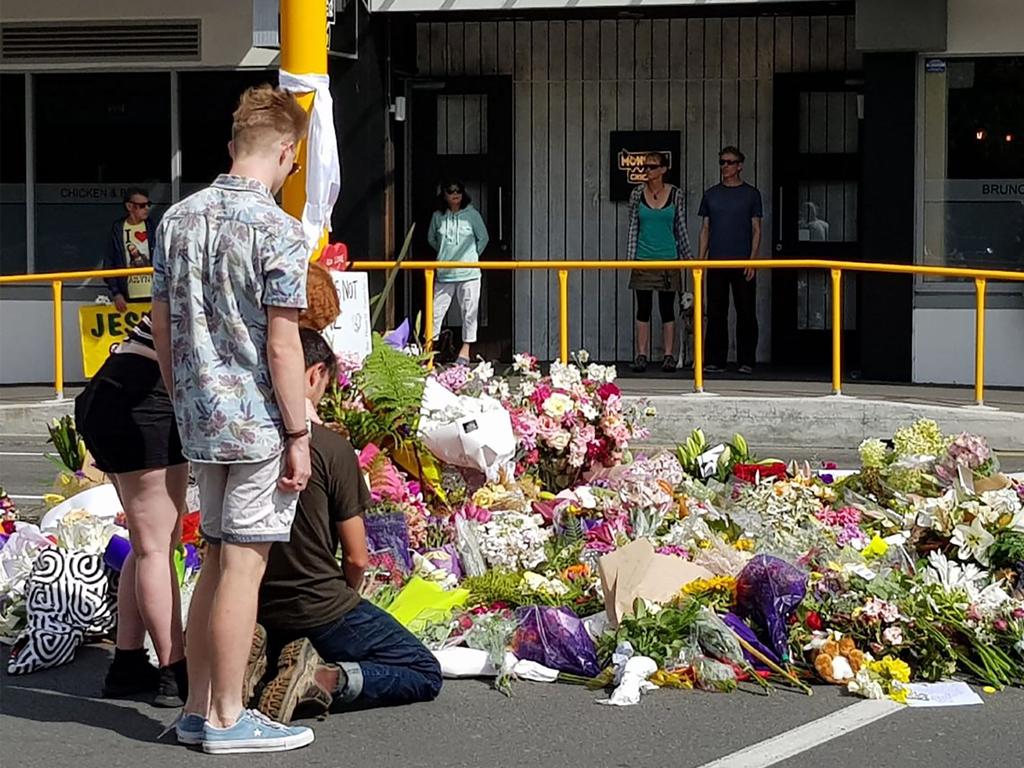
578,80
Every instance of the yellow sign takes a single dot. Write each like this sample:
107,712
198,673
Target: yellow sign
632,163
101,326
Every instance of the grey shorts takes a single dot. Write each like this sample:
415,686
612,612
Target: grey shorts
241,503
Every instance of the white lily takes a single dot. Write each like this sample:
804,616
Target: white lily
973,541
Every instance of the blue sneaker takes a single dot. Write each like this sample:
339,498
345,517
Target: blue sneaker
254,732
187,728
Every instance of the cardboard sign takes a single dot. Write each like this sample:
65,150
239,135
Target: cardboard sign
350,333
636,570
101,326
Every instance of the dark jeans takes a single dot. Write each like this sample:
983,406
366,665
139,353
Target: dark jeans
744,296
384,661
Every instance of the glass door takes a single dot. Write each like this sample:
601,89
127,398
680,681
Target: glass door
817,169
461,130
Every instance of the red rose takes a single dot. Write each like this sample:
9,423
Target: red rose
8,527
813,621
608,390
190,528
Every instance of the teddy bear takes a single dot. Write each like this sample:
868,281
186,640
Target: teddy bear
838,661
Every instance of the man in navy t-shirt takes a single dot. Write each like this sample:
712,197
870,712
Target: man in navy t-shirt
731,229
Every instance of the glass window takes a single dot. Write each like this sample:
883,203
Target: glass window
13,257
207,101
974,163
96,135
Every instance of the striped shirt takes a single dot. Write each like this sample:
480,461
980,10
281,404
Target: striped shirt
142,333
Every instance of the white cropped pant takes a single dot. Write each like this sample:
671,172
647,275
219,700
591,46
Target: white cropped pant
467,295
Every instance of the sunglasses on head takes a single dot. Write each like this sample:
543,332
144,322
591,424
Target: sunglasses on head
728,162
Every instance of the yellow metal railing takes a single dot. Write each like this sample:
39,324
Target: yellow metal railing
429,268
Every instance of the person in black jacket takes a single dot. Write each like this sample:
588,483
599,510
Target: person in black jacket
130,244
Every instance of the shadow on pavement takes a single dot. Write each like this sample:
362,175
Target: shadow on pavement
66,695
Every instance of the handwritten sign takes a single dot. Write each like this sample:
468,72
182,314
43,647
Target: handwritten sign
350,333
101,326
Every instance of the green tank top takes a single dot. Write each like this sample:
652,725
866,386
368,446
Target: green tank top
656,240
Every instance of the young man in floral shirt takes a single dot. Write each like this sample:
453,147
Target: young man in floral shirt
229,282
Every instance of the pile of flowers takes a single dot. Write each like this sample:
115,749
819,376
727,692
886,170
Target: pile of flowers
909,568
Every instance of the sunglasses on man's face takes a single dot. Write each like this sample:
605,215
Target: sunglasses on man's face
453,191
728,162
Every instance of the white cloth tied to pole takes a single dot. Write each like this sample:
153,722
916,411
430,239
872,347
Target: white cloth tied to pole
323,165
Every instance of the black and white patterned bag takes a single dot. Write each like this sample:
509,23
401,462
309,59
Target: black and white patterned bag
69,599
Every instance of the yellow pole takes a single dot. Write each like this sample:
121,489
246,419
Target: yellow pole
428,309
303,52
979,342
58,339
563,314
698,330
837,332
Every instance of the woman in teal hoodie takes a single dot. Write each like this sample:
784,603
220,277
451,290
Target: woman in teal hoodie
457,233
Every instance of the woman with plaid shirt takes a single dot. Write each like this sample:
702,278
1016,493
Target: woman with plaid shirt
657,232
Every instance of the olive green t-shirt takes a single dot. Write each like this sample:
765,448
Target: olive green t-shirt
304,586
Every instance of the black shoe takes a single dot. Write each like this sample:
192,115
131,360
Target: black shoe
173,688
640,364
130,674
668,365
746,370
714,368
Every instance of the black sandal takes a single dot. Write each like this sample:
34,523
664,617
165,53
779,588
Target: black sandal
640,364
669,365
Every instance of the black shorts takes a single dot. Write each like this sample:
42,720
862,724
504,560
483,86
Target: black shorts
126,418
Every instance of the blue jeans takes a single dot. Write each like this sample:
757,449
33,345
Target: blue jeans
384,662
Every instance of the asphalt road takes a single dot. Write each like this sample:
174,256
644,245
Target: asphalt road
52,718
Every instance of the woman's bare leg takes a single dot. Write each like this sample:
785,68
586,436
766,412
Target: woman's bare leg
154,500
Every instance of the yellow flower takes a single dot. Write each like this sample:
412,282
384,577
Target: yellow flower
744,545
876,548
725,584
52,499
891,668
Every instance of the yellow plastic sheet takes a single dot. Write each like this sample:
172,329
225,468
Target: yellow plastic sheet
421,600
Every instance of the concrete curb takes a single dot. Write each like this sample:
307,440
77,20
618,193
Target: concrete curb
821,422
32,418
779,422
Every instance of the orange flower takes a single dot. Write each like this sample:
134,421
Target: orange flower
578,572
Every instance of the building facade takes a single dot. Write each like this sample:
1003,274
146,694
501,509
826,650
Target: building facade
874,131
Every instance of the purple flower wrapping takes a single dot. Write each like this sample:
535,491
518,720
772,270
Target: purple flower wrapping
768,592
389,533
556,638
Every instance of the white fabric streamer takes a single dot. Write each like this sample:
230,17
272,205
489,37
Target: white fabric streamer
323,166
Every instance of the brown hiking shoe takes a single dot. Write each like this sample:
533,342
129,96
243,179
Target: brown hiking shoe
257,666
296,683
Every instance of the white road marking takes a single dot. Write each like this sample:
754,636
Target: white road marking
807,736
23,453
24,497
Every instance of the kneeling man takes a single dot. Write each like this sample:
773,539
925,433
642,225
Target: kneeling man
331,645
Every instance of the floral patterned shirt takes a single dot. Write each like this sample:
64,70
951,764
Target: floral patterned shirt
222,256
